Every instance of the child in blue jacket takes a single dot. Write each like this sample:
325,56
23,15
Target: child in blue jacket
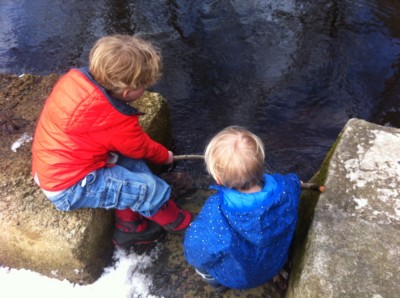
242,235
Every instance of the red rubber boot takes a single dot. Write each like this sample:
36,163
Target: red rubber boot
133,229
172,218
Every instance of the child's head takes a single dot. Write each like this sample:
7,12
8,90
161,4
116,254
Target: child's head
235,158
124,62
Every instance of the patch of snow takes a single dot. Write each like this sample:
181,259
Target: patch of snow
125,279
23,139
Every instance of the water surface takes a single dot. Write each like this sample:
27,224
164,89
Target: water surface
293,72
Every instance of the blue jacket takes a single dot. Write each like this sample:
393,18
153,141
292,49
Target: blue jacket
242,240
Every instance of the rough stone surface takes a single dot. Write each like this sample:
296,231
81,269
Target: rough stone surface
66,245
353,245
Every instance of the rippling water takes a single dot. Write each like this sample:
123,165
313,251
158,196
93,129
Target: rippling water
293,71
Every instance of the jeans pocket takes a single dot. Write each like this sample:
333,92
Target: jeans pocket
125,194
61,202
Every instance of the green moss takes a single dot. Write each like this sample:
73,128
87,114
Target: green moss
308,202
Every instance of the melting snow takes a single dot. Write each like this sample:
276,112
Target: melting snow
125,279
23,139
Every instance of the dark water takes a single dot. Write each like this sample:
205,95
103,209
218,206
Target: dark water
293,71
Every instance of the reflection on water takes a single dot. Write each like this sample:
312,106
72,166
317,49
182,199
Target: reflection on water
291,71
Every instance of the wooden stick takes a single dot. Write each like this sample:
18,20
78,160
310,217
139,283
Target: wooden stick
188,156
312,186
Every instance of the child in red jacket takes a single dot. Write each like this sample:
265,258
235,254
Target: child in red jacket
89,149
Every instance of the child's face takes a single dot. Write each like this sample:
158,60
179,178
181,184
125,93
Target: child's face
132,95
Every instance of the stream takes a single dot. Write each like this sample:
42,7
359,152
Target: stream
293,72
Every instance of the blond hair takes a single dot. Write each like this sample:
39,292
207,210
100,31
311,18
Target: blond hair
124,62
236,156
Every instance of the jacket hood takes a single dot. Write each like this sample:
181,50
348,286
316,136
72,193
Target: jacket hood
253,215
122,107
82,105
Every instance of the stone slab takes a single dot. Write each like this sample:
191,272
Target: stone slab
353,245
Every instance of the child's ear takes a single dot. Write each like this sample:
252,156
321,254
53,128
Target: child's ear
219,181
125,93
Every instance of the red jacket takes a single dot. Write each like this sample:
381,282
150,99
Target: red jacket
79,125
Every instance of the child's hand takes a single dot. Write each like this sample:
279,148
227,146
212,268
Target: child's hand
170,158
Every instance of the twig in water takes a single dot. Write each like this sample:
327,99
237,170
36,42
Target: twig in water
312,186
188,156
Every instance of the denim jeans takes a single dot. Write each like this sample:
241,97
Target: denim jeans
128,184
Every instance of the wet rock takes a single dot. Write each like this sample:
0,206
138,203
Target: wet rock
352,246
